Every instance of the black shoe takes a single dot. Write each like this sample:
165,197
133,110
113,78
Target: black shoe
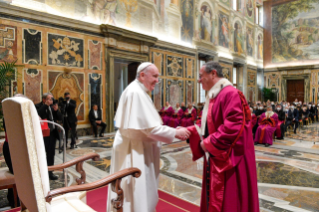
267,145
295,132
72,146
95,136
52,176
101,135
255,143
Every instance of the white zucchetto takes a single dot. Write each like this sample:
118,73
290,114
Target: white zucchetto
143,66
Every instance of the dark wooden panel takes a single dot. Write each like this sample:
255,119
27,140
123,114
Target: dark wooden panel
295,89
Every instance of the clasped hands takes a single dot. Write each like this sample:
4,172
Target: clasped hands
182,133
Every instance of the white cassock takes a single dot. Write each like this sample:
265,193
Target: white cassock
137,145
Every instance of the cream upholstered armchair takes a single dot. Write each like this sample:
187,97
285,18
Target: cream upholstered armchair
31,170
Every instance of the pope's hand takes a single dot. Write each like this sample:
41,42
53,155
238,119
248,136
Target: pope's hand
182,133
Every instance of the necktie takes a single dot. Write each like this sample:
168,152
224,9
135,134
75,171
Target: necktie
51,118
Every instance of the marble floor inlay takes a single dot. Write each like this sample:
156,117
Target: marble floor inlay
287,171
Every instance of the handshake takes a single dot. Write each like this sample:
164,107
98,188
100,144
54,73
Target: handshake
182,133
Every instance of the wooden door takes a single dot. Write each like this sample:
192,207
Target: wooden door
295,90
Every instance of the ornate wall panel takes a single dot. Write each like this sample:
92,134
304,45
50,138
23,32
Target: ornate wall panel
65,51
174,66
95,55
179,76
32,46
8,43
157,59
252,85
157,95
95,90
32,84
189,91
227,71
174,91
59,83
190,67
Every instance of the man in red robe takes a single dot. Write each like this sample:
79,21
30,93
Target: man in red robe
229,178
190,115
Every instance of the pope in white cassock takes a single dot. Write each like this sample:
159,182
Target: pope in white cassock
137,142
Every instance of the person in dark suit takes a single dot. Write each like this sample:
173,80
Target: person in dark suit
70,119
40,104
95,117
50,112
292,117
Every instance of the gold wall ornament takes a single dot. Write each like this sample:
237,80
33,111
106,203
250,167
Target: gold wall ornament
130,7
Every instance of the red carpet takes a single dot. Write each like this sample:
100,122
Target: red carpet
96,199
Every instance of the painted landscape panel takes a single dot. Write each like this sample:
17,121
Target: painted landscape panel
295,28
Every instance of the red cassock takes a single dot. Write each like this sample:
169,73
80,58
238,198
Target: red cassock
189,117
230,179
253,120
175,121
167,114
266,129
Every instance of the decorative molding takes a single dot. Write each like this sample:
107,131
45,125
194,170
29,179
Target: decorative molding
41,17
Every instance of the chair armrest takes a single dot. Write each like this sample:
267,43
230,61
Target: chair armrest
79,165
115,179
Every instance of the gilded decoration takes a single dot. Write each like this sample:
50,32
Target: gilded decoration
65,51
8,43
130,6
69,83
174,66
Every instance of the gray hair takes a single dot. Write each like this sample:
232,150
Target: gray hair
212,65
44,96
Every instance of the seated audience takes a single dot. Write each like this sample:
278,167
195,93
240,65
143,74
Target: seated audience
280,128
95,117
168,112
304,111
267,125
292,118
253,118
190,116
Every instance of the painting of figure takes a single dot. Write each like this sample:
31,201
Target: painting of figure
187,30
295,31
223,30
249,41
260,48
104,11
238,39
250,8
206,23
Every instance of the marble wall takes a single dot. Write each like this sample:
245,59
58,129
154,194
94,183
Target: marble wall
177,83
56,61
252,85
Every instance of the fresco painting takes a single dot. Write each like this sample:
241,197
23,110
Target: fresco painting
187,30
295,31
250,41
238,39
223,30
206,23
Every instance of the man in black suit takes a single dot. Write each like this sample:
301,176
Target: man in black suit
96,120
50,112
292,116
70,119
40,104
